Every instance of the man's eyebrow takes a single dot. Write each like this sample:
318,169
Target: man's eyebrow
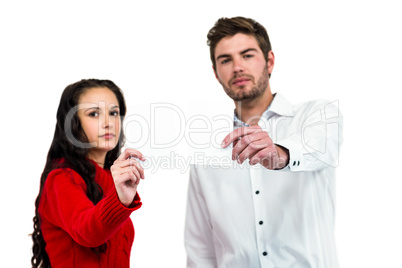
248,50
223,56
241,53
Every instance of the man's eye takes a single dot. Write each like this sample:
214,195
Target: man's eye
225,61
248,56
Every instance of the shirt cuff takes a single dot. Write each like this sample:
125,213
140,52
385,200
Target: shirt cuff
296,162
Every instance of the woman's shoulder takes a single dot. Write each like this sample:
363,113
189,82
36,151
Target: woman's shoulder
62,173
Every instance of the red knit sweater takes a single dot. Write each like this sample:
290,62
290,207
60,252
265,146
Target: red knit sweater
72,226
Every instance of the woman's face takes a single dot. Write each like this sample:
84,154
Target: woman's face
99,114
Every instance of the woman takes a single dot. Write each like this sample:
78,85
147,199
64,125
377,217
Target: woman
87,191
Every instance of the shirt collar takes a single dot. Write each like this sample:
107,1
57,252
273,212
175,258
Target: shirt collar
279,106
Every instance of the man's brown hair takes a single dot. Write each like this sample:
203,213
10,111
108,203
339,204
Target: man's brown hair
225,27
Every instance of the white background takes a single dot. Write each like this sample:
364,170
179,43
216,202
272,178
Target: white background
156,51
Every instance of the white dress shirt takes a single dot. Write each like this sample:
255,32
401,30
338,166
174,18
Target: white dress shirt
248,216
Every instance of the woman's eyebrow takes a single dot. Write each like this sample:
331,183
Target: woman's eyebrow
92,108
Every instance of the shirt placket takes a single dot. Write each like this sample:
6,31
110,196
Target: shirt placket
261,221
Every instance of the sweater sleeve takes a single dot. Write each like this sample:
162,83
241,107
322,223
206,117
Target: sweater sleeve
65,204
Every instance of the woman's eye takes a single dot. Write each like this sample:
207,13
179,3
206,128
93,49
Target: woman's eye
93,114
114,113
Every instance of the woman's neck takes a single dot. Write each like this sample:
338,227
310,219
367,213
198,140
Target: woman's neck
98,157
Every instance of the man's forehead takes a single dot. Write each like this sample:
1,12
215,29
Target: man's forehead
236,44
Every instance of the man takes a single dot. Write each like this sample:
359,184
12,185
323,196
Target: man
275,206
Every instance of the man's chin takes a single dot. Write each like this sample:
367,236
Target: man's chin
243,95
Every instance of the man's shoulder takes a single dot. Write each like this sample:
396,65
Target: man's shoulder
322,106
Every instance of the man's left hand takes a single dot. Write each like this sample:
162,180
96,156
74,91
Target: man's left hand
254,144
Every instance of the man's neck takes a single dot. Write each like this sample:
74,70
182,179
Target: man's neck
250,111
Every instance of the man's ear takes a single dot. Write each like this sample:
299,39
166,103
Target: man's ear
271,61
216,76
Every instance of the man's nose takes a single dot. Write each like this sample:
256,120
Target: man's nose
238,66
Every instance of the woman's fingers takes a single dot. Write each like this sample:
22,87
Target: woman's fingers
130,172
125,160
129,153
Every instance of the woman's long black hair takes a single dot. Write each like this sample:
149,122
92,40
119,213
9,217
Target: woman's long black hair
74,157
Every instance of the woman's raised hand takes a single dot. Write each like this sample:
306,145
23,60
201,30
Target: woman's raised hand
127,172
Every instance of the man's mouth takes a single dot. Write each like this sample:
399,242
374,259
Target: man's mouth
240,81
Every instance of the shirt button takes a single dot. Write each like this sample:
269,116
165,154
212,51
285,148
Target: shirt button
265,253
257,192
261,222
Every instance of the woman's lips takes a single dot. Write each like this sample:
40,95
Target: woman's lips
107,136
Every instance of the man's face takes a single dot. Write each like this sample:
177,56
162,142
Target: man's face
241,67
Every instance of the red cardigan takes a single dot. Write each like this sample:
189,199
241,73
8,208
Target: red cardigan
72,226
